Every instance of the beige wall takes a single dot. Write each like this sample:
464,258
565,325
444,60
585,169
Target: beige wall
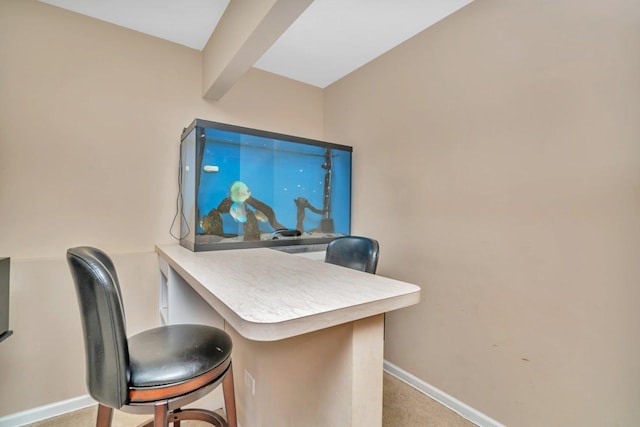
90,120
502,145
497,160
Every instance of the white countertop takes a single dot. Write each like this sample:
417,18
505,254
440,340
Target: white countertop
268,295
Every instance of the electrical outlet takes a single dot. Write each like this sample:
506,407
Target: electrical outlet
249,382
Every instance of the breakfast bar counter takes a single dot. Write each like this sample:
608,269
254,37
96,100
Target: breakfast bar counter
308,336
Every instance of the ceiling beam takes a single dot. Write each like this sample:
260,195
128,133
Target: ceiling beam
246,30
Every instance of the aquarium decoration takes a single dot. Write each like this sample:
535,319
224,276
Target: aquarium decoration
245,188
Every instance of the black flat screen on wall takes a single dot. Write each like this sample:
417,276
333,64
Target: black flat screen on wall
4,298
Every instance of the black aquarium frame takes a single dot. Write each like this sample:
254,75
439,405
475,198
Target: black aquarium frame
288,244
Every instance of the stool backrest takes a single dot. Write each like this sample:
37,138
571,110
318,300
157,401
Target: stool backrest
358,253
103,325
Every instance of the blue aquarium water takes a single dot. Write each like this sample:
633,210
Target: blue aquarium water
247,188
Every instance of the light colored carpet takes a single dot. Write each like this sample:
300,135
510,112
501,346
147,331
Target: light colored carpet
403,406
87,418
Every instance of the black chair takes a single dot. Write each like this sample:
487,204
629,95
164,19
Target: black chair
156,371
358,253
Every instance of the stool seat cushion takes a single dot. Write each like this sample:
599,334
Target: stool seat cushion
175,353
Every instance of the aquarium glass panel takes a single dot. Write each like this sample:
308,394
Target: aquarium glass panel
247,188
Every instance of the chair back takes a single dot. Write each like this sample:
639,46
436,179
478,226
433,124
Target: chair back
103,325
358,253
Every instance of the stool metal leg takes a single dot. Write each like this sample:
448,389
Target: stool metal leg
160,415
105,414
177,416
229,398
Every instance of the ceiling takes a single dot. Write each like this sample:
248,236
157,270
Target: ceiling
329,40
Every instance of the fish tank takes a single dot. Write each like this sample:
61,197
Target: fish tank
246,188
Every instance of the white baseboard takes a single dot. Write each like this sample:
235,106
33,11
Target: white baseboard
47,411
441,397
58,408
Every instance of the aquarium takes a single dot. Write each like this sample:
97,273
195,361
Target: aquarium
243,188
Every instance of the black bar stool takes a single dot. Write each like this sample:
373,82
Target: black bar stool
156,371
358,253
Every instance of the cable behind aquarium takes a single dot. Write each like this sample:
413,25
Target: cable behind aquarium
179,202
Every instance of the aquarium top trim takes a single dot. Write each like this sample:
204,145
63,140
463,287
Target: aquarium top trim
262,133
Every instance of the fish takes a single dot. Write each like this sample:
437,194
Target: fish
239,192
260,216
238,212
